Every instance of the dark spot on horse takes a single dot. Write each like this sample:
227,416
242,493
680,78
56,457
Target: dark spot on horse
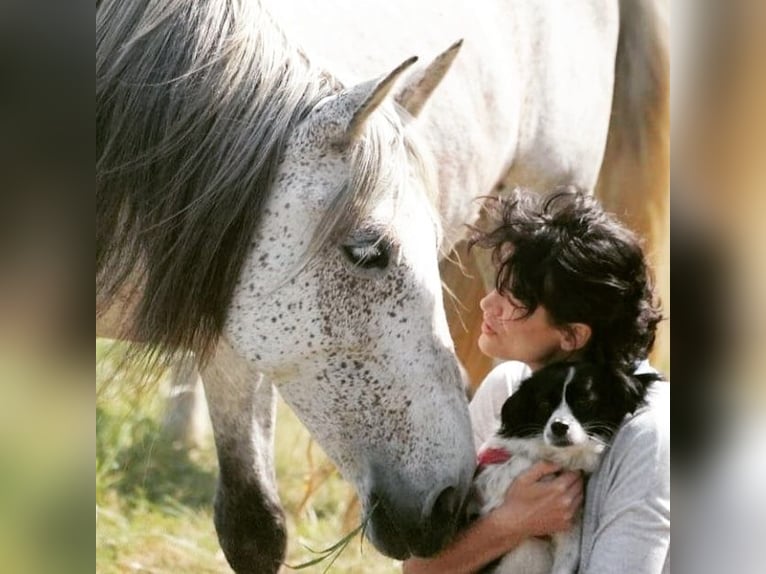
358,365
273,319
343,365
403,320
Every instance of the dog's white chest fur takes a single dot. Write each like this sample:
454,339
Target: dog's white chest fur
560,554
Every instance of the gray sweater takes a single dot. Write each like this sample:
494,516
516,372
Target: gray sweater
626,524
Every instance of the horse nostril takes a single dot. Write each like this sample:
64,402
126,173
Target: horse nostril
559,428
445,506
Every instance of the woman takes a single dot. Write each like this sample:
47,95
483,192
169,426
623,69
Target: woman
572,283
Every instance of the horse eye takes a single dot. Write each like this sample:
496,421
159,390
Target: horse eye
368,256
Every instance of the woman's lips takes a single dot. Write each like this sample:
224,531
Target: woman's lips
486,329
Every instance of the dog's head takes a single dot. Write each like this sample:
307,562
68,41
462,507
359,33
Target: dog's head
572,407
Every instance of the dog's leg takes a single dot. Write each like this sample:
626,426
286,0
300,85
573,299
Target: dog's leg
566,551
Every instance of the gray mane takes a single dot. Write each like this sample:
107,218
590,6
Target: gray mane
194,103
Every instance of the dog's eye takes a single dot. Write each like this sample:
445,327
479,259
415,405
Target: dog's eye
545,406
582,402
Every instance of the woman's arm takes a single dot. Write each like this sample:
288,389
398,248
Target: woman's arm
531,508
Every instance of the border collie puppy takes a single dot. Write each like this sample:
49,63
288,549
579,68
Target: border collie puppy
565,413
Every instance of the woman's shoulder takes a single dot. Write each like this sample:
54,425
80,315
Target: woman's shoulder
646,434
654,415
505,378
488,399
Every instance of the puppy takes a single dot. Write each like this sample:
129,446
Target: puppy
565,413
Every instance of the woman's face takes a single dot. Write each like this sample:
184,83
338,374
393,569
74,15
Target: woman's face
509,333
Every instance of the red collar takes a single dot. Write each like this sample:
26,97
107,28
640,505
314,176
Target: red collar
489,456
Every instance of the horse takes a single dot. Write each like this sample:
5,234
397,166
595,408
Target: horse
280,212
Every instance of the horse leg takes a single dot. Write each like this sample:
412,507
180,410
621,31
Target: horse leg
248,516
185,421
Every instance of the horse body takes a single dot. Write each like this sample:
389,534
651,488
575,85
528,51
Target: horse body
500,116
284,219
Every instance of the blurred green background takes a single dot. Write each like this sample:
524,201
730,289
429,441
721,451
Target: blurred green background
154,498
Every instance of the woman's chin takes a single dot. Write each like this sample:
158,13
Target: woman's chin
488,345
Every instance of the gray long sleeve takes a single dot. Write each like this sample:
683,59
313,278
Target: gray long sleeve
626,526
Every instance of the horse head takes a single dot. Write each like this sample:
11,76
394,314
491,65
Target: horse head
339,305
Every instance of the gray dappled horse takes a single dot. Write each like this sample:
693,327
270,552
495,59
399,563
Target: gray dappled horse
270,208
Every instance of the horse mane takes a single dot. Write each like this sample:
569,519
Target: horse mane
194,103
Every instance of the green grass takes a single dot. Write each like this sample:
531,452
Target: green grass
154,501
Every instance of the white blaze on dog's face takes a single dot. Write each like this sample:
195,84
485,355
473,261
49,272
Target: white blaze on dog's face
563,428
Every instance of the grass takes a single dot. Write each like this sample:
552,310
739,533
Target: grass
154,501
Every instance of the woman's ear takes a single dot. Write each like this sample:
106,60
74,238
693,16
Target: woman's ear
575,336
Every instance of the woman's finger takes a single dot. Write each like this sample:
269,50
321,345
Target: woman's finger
537,471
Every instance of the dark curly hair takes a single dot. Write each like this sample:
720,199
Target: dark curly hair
563,252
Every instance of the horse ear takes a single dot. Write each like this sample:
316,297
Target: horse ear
420,87
361,100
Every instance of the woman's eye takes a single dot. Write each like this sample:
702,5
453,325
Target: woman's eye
368,256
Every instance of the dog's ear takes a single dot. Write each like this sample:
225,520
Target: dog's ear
519,412
630,389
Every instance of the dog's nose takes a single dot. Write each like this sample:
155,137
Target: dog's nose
559,428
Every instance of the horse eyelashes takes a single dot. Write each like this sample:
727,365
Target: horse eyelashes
369,256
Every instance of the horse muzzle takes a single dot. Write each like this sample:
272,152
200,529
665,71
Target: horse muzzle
403,523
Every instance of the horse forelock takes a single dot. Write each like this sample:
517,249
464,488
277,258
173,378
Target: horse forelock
194,104
384,161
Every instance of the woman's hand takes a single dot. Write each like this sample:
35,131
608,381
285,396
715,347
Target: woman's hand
538,503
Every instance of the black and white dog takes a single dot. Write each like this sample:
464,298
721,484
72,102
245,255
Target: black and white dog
565,413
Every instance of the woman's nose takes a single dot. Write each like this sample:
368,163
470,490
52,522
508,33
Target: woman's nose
489,303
